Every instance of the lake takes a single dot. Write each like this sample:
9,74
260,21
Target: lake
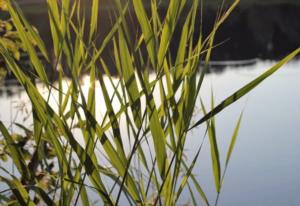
265,165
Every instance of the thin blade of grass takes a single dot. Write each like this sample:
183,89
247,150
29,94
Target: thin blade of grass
187,175
108,38
130,79
113,120
246,89
199,190
35,61
168,29
94,19
52,120
32,32
233,140
214,150
15,153
18,190
148,34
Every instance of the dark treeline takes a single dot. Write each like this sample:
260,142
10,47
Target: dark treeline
266,31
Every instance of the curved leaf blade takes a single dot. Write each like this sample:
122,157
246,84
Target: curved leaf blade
244,90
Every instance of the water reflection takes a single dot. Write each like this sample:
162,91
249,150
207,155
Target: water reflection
9,85
265,163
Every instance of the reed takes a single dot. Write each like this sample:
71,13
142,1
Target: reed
144,165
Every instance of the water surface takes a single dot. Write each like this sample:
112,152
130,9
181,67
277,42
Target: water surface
265,165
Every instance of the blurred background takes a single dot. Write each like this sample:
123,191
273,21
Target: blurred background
266,29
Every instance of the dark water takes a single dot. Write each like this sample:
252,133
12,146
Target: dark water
267,30
265,165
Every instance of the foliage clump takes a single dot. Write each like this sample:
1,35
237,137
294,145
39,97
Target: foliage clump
9,38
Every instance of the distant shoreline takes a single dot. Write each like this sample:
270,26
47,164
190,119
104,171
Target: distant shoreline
256,29
211,2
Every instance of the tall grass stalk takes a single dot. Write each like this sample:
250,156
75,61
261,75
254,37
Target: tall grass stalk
144,165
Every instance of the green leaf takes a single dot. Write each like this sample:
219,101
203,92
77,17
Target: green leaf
34,59
108,38
32,33
245,89
148,34
94,19
214,150
51,120
130,81
187,175
15,153
18,190
168,29
156,129
233,139
113,120
199,190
